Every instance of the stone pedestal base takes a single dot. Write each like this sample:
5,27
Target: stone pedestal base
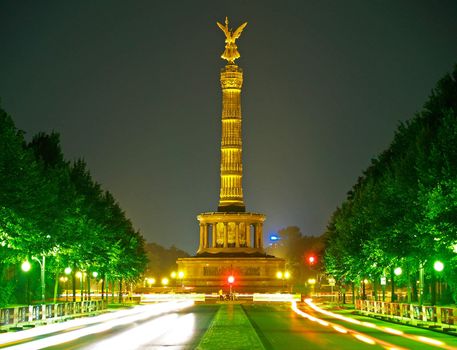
252,274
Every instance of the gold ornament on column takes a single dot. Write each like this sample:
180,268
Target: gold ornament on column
231,51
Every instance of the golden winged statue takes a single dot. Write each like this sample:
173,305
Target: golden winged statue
231,51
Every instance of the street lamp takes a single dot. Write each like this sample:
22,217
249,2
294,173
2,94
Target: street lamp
396,272
67,272
79,274
173,276
42,267
438,266
312,282
181,277
165,281
283,276
26,266
150,281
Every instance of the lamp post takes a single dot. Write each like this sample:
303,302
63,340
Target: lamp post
173,276
181,277
396,272
42,268
438,266
283,276
67,272
79,274
26,268
312,282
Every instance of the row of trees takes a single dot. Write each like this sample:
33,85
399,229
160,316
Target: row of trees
402,212
52,210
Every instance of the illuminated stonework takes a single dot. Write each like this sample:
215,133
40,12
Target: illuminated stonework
231,192
231,239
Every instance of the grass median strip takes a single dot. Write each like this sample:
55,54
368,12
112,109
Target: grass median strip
230,329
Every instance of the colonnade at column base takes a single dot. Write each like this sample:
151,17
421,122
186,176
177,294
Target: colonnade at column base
252,274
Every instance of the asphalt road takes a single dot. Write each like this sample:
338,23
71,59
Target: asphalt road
232,326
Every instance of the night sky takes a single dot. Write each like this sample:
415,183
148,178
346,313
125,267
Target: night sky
133,88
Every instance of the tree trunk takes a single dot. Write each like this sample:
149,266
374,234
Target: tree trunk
88,286
74,284
353,293
103,287
56,286
112,291
433,285
120,291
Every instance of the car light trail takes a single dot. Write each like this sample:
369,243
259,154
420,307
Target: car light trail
365,339
431,341
360,336
77,323
103,324
421,339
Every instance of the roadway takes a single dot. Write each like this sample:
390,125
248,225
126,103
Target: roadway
183,325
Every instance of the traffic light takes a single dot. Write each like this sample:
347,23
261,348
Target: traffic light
312,259
230,279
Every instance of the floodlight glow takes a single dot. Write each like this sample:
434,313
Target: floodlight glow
67,270
398,271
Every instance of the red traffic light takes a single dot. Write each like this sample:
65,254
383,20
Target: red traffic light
311,260
230,279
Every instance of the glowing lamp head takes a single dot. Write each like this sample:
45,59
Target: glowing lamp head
26,266
230,279
173,274
181,274
398,271
165,281
311,260
151,281
67,270
438,266
287,274
95,274
79,274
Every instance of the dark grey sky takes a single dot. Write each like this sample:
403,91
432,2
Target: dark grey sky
133,88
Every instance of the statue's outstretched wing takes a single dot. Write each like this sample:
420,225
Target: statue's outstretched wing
237,32
224,29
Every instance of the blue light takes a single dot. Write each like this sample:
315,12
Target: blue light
274,238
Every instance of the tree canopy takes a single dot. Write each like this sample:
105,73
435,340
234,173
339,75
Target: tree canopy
53,208
403,209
